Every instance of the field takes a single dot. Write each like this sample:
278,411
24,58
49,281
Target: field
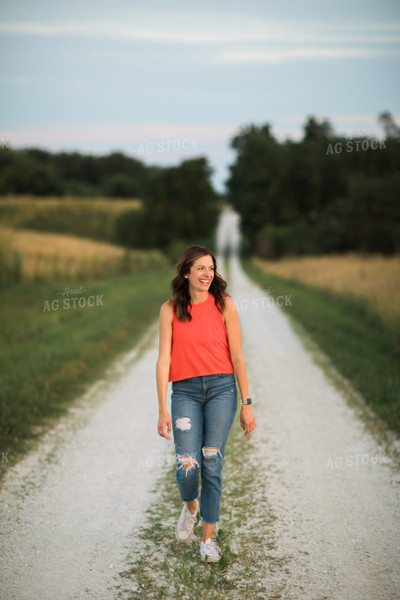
372,279
69,306
37,256
92,218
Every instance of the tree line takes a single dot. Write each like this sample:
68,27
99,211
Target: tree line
179,205
42,173
323,194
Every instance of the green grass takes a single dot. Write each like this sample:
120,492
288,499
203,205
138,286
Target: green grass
250,566
364,349
48,357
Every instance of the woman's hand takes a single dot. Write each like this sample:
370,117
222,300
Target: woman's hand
164,422
247,419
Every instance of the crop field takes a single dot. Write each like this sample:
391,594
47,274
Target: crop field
33,256
372,279
92,218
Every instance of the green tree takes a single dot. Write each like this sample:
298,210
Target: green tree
296,197
182,202
180,208
315,129
390,127
252,182
23,173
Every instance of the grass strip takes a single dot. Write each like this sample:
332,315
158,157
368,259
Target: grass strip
250,566
52,347
363,348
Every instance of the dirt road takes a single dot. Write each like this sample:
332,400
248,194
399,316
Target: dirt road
68,510
335,488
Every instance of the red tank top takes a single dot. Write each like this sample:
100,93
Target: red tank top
200,346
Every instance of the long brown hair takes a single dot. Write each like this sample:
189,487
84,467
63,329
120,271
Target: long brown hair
180,285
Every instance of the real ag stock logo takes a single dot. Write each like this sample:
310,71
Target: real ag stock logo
356,146
72,298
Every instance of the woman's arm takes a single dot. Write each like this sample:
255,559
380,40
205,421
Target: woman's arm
231,319
162,369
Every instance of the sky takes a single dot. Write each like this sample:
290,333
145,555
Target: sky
166,81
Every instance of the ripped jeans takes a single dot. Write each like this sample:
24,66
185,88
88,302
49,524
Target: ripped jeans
202,412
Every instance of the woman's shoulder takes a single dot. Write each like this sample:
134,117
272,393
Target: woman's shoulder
229,301
230,307
167,309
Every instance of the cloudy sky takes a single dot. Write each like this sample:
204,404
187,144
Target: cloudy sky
166,80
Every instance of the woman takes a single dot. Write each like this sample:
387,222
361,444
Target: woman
200,353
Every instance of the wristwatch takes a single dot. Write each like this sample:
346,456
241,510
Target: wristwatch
246,401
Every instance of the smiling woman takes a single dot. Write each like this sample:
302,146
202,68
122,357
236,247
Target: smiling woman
200,353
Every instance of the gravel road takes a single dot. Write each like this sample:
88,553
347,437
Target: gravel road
68,510
333,486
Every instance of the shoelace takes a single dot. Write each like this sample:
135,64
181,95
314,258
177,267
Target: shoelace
189,520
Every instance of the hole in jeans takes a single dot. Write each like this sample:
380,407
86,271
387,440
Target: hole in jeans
183,423
187,462
208,452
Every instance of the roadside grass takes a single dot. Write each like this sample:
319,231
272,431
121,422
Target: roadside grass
92,218
362,345
250,567
56,340
36,256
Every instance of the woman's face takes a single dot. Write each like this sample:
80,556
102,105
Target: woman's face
201,274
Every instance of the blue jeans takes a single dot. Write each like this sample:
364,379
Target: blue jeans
202,412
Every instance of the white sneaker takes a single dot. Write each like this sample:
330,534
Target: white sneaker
185,525
210,551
